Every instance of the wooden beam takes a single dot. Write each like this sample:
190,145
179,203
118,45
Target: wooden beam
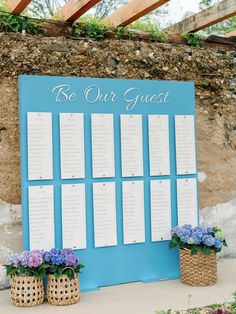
17,6
73,9
132,11
206,18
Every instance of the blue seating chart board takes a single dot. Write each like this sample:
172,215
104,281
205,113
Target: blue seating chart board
108,166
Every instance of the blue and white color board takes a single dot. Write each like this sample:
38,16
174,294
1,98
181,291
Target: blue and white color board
108,166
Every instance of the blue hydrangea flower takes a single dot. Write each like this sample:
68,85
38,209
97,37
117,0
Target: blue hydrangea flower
24,256
197,237
208,240
218,244
57,259
185,235
201,229
189,227
64,257
210,230
71,260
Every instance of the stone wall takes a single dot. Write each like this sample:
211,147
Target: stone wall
212,70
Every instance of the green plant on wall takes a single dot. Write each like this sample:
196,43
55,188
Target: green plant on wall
234,302
193,39
15,24
91,27
120,31
147,26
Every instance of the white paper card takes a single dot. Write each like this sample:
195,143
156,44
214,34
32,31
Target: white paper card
41,217
73,216
159,150
104,204
103,145
185,144
187,201
160,210
131,145
40,145
72,145
133,212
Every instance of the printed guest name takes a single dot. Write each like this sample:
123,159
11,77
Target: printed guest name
93,94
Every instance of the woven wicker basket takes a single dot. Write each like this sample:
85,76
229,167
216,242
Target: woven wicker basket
27,291
63,291
198,270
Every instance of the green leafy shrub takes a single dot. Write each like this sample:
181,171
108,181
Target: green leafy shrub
15,24
193,39
147,26
234,303
122,32
91,27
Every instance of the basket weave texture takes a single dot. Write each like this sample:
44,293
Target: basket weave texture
27,291
63,291
198,270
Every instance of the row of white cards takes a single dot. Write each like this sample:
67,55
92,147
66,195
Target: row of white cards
40,157
74,231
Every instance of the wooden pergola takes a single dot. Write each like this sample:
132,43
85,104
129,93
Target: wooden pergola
135,9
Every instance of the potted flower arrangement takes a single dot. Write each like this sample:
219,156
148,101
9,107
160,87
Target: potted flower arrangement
197,248
27,271
63,286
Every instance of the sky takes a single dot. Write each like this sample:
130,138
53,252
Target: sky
177,9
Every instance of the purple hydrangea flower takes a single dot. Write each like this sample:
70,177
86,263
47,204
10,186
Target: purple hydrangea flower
35,259
27,259
14,260
71,260
66,252
24,258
